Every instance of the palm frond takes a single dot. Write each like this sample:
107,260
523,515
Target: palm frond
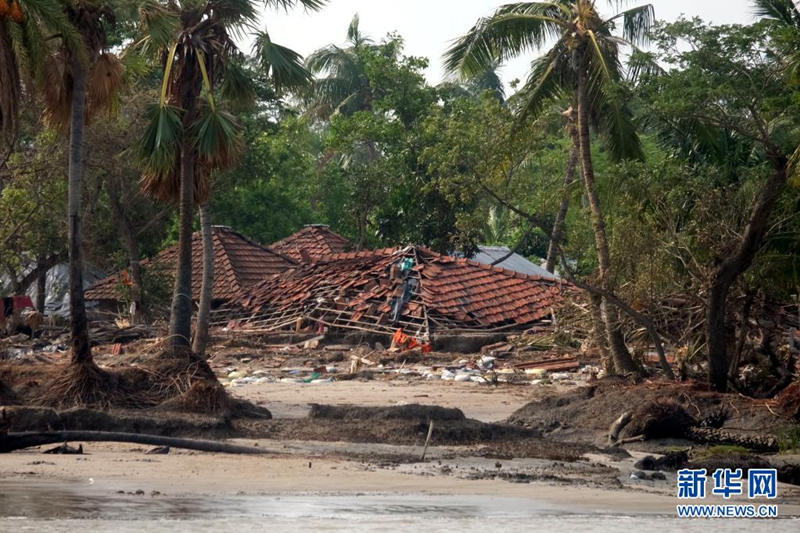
56,90
550,77
329,59
283,65
217,139
160,23
310,5
52,16
511,30
636,23
238,88
159,152
793,168
618,130
104,84
783,11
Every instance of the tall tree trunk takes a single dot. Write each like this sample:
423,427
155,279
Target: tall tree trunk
729,270
180,322
621,356
128,234
569,177
41,288
81,352
201,329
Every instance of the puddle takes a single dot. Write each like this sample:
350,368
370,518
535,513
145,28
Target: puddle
27,505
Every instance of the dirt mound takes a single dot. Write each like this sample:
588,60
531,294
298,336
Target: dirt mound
47,419
788,401
733,461
203,396
211,398
537,448
585,414
406,412
395,431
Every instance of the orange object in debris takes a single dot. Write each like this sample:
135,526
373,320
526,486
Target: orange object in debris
117,348
405,342
4,8
126,278
400,338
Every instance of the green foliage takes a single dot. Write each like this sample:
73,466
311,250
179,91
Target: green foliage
155,290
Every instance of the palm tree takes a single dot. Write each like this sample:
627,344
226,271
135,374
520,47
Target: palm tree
78,77
25,31
489,81
345,89
785,15
584,62
189,134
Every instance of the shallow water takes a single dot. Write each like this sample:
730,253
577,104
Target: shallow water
57,506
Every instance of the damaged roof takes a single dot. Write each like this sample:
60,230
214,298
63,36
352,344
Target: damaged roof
239,263
511,260
434,293
311,243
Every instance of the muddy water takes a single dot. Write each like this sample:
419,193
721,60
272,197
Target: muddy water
56,506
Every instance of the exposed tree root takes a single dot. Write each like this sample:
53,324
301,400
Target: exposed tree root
80,384
18,441
203,396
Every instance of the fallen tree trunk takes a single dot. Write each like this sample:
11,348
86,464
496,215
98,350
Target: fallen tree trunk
759,443
19,441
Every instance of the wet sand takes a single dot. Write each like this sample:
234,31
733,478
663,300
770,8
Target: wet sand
462,491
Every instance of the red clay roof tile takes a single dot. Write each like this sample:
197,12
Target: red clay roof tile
239,263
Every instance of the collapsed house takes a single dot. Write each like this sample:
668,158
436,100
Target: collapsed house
430,296
312,242
239,263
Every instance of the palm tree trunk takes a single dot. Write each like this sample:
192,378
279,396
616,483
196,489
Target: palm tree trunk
81,352
599,334
128,234
180,322
621,357
201,329
569,177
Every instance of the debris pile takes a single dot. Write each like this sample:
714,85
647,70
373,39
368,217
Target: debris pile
301,364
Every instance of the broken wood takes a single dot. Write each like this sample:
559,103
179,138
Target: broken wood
618,425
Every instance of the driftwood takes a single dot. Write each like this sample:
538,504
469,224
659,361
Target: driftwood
19,441
618,425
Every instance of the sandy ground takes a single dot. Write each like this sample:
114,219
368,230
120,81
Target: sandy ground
484,403
116,467
335,469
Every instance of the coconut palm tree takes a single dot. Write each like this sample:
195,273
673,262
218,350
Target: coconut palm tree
583,62
345,88
189,134
786,15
